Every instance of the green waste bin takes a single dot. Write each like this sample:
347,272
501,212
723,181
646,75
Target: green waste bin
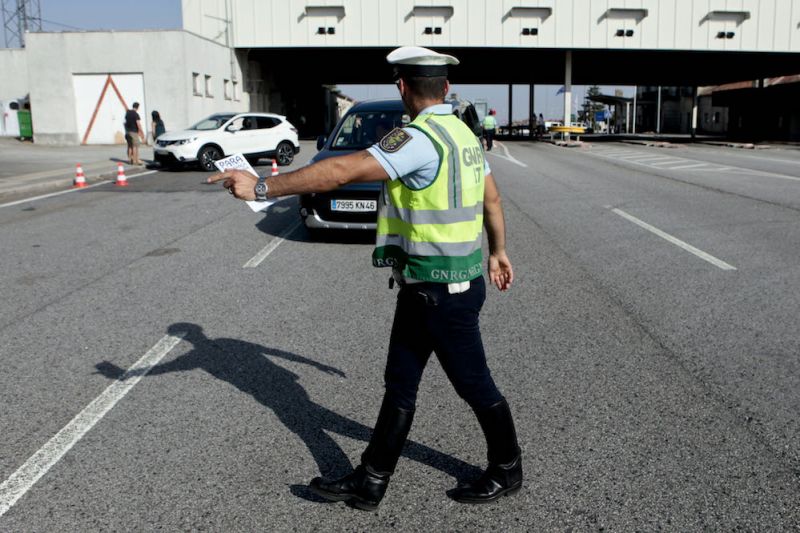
25,124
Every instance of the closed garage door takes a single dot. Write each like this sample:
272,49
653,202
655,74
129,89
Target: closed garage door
100,104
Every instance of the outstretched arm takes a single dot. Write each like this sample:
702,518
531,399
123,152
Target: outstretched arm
273,352
500,272
324,176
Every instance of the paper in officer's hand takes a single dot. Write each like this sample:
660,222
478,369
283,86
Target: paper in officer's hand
239,162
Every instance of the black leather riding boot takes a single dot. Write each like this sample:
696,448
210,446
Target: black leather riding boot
503,476
365,486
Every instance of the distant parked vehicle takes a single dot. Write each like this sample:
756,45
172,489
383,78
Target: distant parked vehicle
254,135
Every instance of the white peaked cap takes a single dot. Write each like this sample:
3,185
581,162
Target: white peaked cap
419,56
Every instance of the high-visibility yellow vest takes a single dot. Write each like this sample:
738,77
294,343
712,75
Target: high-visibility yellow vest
435,233
489,122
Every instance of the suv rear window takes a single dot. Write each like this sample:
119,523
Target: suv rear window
361,130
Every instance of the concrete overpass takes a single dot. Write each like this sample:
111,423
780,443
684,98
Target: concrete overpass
293,47
278,55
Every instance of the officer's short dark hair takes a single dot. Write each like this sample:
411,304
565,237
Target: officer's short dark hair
427,87
136,105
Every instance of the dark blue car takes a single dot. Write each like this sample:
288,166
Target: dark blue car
355,206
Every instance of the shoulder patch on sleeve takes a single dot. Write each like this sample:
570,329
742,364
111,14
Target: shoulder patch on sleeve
394,140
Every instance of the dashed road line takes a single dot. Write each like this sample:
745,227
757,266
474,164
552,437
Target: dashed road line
48,455
674,240
268,249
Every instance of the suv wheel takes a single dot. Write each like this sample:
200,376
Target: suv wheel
207,156
285,153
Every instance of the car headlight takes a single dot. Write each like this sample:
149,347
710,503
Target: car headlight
186,141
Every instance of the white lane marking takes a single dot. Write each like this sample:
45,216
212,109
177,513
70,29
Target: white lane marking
677,242
268,249
658,157
740,171
667,161
770,159
25,200
695,165
43,196
705,166
508,156
48,455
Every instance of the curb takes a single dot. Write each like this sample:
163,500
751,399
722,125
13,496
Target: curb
657,144
743,146
568,144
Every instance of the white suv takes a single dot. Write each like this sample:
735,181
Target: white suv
255,135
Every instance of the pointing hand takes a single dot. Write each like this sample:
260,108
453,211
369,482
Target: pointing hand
240,183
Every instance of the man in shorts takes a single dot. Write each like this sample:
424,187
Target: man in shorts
134,134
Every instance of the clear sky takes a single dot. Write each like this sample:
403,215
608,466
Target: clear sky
69,15
58,15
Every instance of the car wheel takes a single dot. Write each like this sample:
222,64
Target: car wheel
207,156
285,153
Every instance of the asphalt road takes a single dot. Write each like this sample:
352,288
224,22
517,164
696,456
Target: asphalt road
648,348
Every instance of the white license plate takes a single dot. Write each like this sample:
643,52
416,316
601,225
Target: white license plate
354,205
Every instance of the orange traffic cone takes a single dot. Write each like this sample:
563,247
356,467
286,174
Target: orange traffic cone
80,179
122,181
274,168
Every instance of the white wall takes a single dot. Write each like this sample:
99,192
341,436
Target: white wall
166,59
764,25
13,74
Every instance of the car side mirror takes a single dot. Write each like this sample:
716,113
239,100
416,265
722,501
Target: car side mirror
321,142
231,129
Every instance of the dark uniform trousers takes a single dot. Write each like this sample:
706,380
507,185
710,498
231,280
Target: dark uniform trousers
430,319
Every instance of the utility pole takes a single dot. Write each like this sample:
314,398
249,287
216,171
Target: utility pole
20,17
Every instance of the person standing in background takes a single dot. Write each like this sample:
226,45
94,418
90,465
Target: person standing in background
158,125
134,134
489,128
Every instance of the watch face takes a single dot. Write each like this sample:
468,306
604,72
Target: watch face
261,188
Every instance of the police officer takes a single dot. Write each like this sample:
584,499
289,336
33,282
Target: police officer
438,194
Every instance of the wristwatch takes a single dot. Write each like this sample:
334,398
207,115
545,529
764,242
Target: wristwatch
261,189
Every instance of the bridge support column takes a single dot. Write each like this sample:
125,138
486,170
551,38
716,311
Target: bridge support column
510,108
658,111
568,88
531,114
694,113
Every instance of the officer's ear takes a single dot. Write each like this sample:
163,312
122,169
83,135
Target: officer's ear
446,88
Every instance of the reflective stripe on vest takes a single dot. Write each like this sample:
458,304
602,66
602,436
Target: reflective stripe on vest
435,233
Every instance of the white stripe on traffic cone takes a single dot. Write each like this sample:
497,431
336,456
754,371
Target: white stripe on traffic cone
80,179
122,181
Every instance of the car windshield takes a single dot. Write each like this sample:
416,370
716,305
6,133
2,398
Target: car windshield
363,129
212,123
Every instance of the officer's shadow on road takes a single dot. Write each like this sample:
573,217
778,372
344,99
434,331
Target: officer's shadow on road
250,368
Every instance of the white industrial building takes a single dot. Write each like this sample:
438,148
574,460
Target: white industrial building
279,55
